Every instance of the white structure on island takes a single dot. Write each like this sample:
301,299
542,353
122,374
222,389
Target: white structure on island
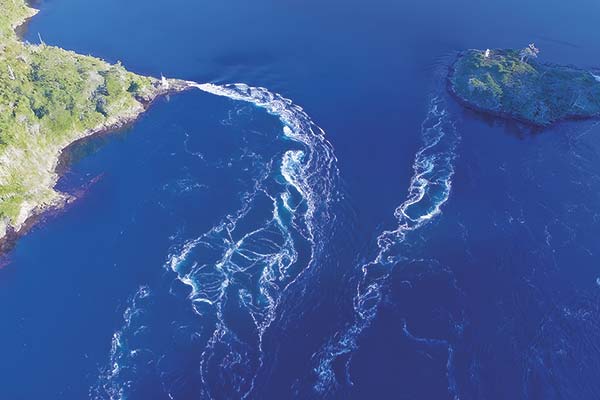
487,53
164,82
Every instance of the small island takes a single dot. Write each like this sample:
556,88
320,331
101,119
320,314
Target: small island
50,98
513,84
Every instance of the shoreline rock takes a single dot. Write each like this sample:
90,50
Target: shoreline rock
30,213
12,234
535,94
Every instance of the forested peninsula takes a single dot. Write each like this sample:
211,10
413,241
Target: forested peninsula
50,98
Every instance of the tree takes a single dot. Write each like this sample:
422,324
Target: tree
529,52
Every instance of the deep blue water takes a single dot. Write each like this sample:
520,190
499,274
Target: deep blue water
410,250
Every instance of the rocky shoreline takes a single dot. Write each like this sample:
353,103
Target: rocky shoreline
56,155
38,213
526,98
473,107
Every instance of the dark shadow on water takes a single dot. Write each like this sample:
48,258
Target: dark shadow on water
514,128
87,146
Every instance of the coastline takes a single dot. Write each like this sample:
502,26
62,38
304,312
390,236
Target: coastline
467,104
11,234
38,213
506,115
20,27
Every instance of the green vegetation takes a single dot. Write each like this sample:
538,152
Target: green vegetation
50,97
505,82
13,14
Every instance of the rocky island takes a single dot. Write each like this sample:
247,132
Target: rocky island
50,98
513,84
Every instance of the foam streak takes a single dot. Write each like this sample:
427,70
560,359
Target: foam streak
429,189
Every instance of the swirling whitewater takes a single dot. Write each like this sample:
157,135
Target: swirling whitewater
243,263
429,190
252,266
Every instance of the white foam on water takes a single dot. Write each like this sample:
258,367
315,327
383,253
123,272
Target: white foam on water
429,190
311,173
299,127
109,385
265,253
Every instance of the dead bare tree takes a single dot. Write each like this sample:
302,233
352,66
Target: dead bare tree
529,52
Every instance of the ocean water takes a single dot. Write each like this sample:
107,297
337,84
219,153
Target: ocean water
319,219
